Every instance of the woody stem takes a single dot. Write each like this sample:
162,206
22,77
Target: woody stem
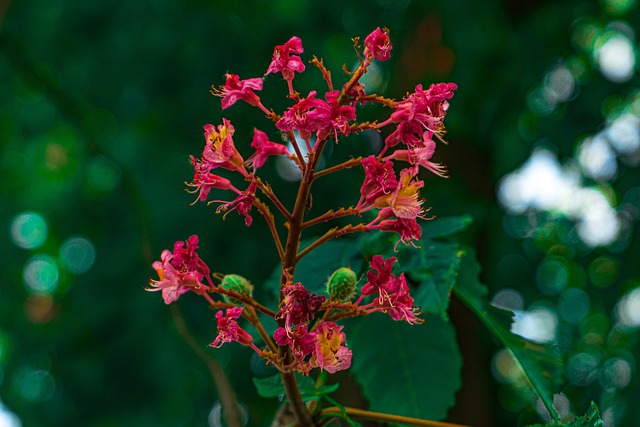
377,416
288,266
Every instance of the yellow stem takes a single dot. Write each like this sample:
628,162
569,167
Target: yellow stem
378,416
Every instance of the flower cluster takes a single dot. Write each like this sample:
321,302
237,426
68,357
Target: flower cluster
180,271
307,334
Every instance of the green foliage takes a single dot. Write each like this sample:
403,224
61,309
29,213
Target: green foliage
272,386
406,369
590,419
541,364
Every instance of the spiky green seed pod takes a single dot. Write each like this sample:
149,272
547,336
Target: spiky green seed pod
342,284
239,284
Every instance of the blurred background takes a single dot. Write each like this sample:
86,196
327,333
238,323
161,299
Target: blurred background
102,102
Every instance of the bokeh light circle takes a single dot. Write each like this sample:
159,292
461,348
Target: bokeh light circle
41,274
28,230
77,254
615,373
582,369
573,305
33,384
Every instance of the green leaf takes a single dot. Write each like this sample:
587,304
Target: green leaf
541,364
590,419
406,369
435,276
433,268
443,227
273,387
314,270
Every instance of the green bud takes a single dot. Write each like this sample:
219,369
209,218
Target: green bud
342,284
239,284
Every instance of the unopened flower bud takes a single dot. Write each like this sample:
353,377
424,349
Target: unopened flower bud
342,284
236,283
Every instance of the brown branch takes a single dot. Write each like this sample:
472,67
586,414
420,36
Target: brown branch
333,233
346,165
230,408
378,416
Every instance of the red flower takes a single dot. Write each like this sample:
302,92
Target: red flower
405,200
378,45
180,271
407,228
379,180
242,203
220,151
425,107
301,342
307,116
420,156
204,180
264,148
235,89
420,115
229,330
329,352
339,116
284,62
379,274
298,306
393,292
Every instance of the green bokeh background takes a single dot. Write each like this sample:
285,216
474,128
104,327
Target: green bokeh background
101,104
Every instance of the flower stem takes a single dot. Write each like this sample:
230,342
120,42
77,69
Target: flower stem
331,214
378,416
289,261
230,408
346,165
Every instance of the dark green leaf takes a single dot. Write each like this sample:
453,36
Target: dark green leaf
590,419
542,364
442,227
436,276
406,369
273,386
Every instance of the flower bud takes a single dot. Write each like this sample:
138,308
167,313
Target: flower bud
342,284
239,284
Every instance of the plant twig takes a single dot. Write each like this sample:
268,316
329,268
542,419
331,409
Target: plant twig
230,408
378,416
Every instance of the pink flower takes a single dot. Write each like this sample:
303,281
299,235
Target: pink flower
405,200
380,179
393,292
284,62
219,150
378,45
356,93
229,330
301,341
204,180
407,228
339,116
242,204
397,302
264,148
307,116
379,274
330,353
425,107
420,156
298,306
180,271
419,116
411,134
235,89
